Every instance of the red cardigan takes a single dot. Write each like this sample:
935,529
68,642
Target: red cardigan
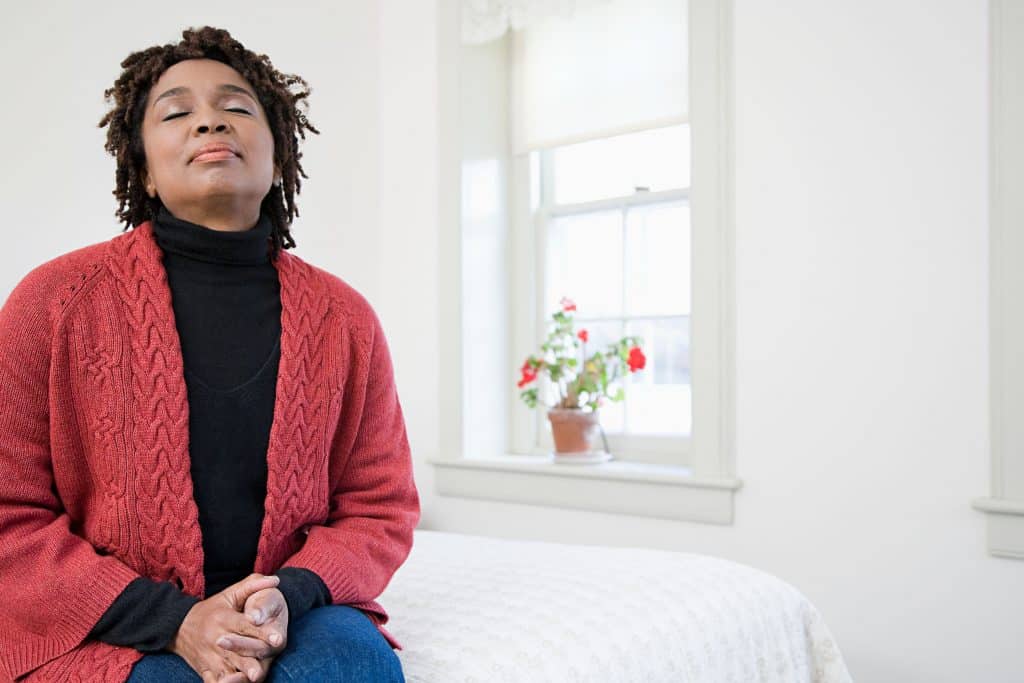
95,486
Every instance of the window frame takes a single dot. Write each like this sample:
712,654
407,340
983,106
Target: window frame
704,490
533,316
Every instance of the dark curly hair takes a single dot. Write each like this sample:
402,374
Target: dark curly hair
124,135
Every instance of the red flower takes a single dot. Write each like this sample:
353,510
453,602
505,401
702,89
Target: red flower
529,374
567,304
583,335
637,360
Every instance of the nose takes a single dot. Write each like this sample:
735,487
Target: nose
219,128
211,119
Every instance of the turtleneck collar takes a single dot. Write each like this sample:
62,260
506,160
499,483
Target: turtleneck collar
194,241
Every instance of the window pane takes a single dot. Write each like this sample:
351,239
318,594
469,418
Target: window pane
658,397
657,159
584,263
658,257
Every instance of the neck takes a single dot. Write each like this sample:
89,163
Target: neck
226,217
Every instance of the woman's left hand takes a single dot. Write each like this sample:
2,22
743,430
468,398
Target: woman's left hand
266,608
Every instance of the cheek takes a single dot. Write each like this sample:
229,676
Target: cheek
161,154
267,149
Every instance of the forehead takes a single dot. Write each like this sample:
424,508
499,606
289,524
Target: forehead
198,74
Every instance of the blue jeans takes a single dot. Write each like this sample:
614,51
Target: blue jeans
335,643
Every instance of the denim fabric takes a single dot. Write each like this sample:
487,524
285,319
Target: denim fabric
335,643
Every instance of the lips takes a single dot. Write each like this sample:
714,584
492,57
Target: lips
214,150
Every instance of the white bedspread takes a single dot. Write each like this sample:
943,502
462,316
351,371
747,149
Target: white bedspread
472,608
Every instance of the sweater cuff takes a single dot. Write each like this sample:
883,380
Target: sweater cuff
145,616
303,591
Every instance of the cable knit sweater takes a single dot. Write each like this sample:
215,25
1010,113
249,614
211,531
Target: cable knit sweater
227,311
95,488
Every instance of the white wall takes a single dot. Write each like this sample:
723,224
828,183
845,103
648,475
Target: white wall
862,293
59,57
862,349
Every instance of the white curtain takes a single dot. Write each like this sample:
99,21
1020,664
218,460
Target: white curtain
586,70
487,20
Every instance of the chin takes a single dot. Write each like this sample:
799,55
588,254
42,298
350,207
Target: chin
222,187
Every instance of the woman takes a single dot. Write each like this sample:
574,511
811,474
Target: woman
204,468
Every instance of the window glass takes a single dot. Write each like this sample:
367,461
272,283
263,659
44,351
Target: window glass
659,396
656,159
584,263
658,250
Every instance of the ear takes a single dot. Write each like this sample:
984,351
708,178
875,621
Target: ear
148,184
277,175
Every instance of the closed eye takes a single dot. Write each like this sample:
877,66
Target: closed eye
183,113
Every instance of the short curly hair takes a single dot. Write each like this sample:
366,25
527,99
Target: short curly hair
274,89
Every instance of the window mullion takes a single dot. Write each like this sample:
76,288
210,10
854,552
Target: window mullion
622,308
541,232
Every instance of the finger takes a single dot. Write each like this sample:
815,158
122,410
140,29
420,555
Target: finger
256,607
276,606
237,594
224,677
263,668
236,677
245,646
257,582
248,668
264,606
269,633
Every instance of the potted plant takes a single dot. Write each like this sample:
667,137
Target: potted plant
584,385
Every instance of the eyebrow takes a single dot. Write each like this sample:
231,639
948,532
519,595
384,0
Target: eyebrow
223,87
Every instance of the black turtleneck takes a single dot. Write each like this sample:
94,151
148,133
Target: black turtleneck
227,306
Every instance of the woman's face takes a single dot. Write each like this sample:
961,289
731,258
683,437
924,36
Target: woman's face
197,103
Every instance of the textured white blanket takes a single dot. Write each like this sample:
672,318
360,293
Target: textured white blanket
472,608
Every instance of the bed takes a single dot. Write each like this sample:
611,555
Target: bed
472,608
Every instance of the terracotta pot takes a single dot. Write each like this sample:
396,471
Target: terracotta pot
575,431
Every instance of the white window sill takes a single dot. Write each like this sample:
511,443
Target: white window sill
1005,526
630,488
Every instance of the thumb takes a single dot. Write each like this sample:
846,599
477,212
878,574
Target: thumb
237,594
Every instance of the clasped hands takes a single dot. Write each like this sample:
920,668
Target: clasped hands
234,636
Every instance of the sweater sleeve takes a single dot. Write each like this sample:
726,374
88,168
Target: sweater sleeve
146,616
54,583
374,506
303,591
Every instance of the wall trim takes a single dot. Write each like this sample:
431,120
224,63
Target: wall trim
1005,506
618,487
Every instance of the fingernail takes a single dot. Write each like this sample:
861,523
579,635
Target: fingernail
253,673
257,617
275,639
223,642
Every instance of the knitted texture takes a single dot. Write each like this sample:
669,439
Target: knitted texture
95,486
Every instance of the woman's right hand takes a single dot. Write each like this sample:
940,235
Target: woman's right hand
220,614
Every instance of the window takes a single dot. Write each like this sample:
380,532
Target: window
613,220
588,155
